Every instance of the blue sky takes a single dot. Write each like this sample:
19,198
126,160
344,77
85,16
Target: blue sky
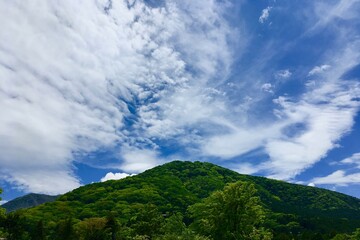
97,90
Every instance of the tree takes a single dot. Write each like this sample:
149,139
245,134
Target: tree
113,225
2,210
14,226
234,213
341,236
39,232
2,218
93,229
175,228
65,230
147,221
356,234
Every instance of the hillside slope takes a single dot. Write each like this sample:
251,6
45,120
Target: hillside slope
27,201
174,186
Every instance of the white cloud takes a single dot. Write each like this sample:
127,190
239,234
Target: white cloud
327,12
319,69
70,72
339,178
267,87
51,182
265,14
115,176
239,141
283,74
3,202
354,159
311,184
246,168
138,160
342,177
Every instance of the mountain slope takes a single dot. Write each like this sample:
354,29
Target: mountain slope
27,201
174,186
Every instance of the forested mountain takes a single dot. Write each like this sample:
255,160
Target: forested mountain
27,201
154,196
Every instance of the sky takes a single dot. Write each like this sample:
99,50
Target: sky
93,90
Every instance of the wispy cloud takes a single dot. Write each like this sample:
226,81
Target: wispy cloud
354,159
342,177
327,12
339,178
267,87
319,69
283,74
265,14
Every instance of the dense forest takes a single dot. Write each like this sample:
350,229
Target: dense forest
189,200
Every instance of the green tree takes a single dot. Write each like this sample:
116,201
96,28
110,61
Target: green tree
64,230
356,234
39,232
175,228
341,236
113,225
234,213
14,226
2,219
92,229
2,210
174,224
148,221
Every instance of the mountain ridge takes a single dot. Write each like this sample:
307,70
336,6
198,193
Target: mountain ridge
28,201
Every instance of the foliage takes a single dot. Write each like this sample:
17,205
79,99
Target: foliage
148,221
64,230
39,232
2,219
113,225
234,213
15,226
354,236
92,229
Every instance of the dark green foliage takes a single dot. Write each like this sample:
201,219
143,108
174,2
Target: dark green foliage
39,232
15,226
113,225
64,230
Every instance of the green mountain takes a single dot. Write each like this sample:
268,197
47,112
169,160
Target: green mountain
27,201
294,211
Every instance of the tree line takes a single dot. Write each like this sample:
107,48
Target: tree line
233,213
236,212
